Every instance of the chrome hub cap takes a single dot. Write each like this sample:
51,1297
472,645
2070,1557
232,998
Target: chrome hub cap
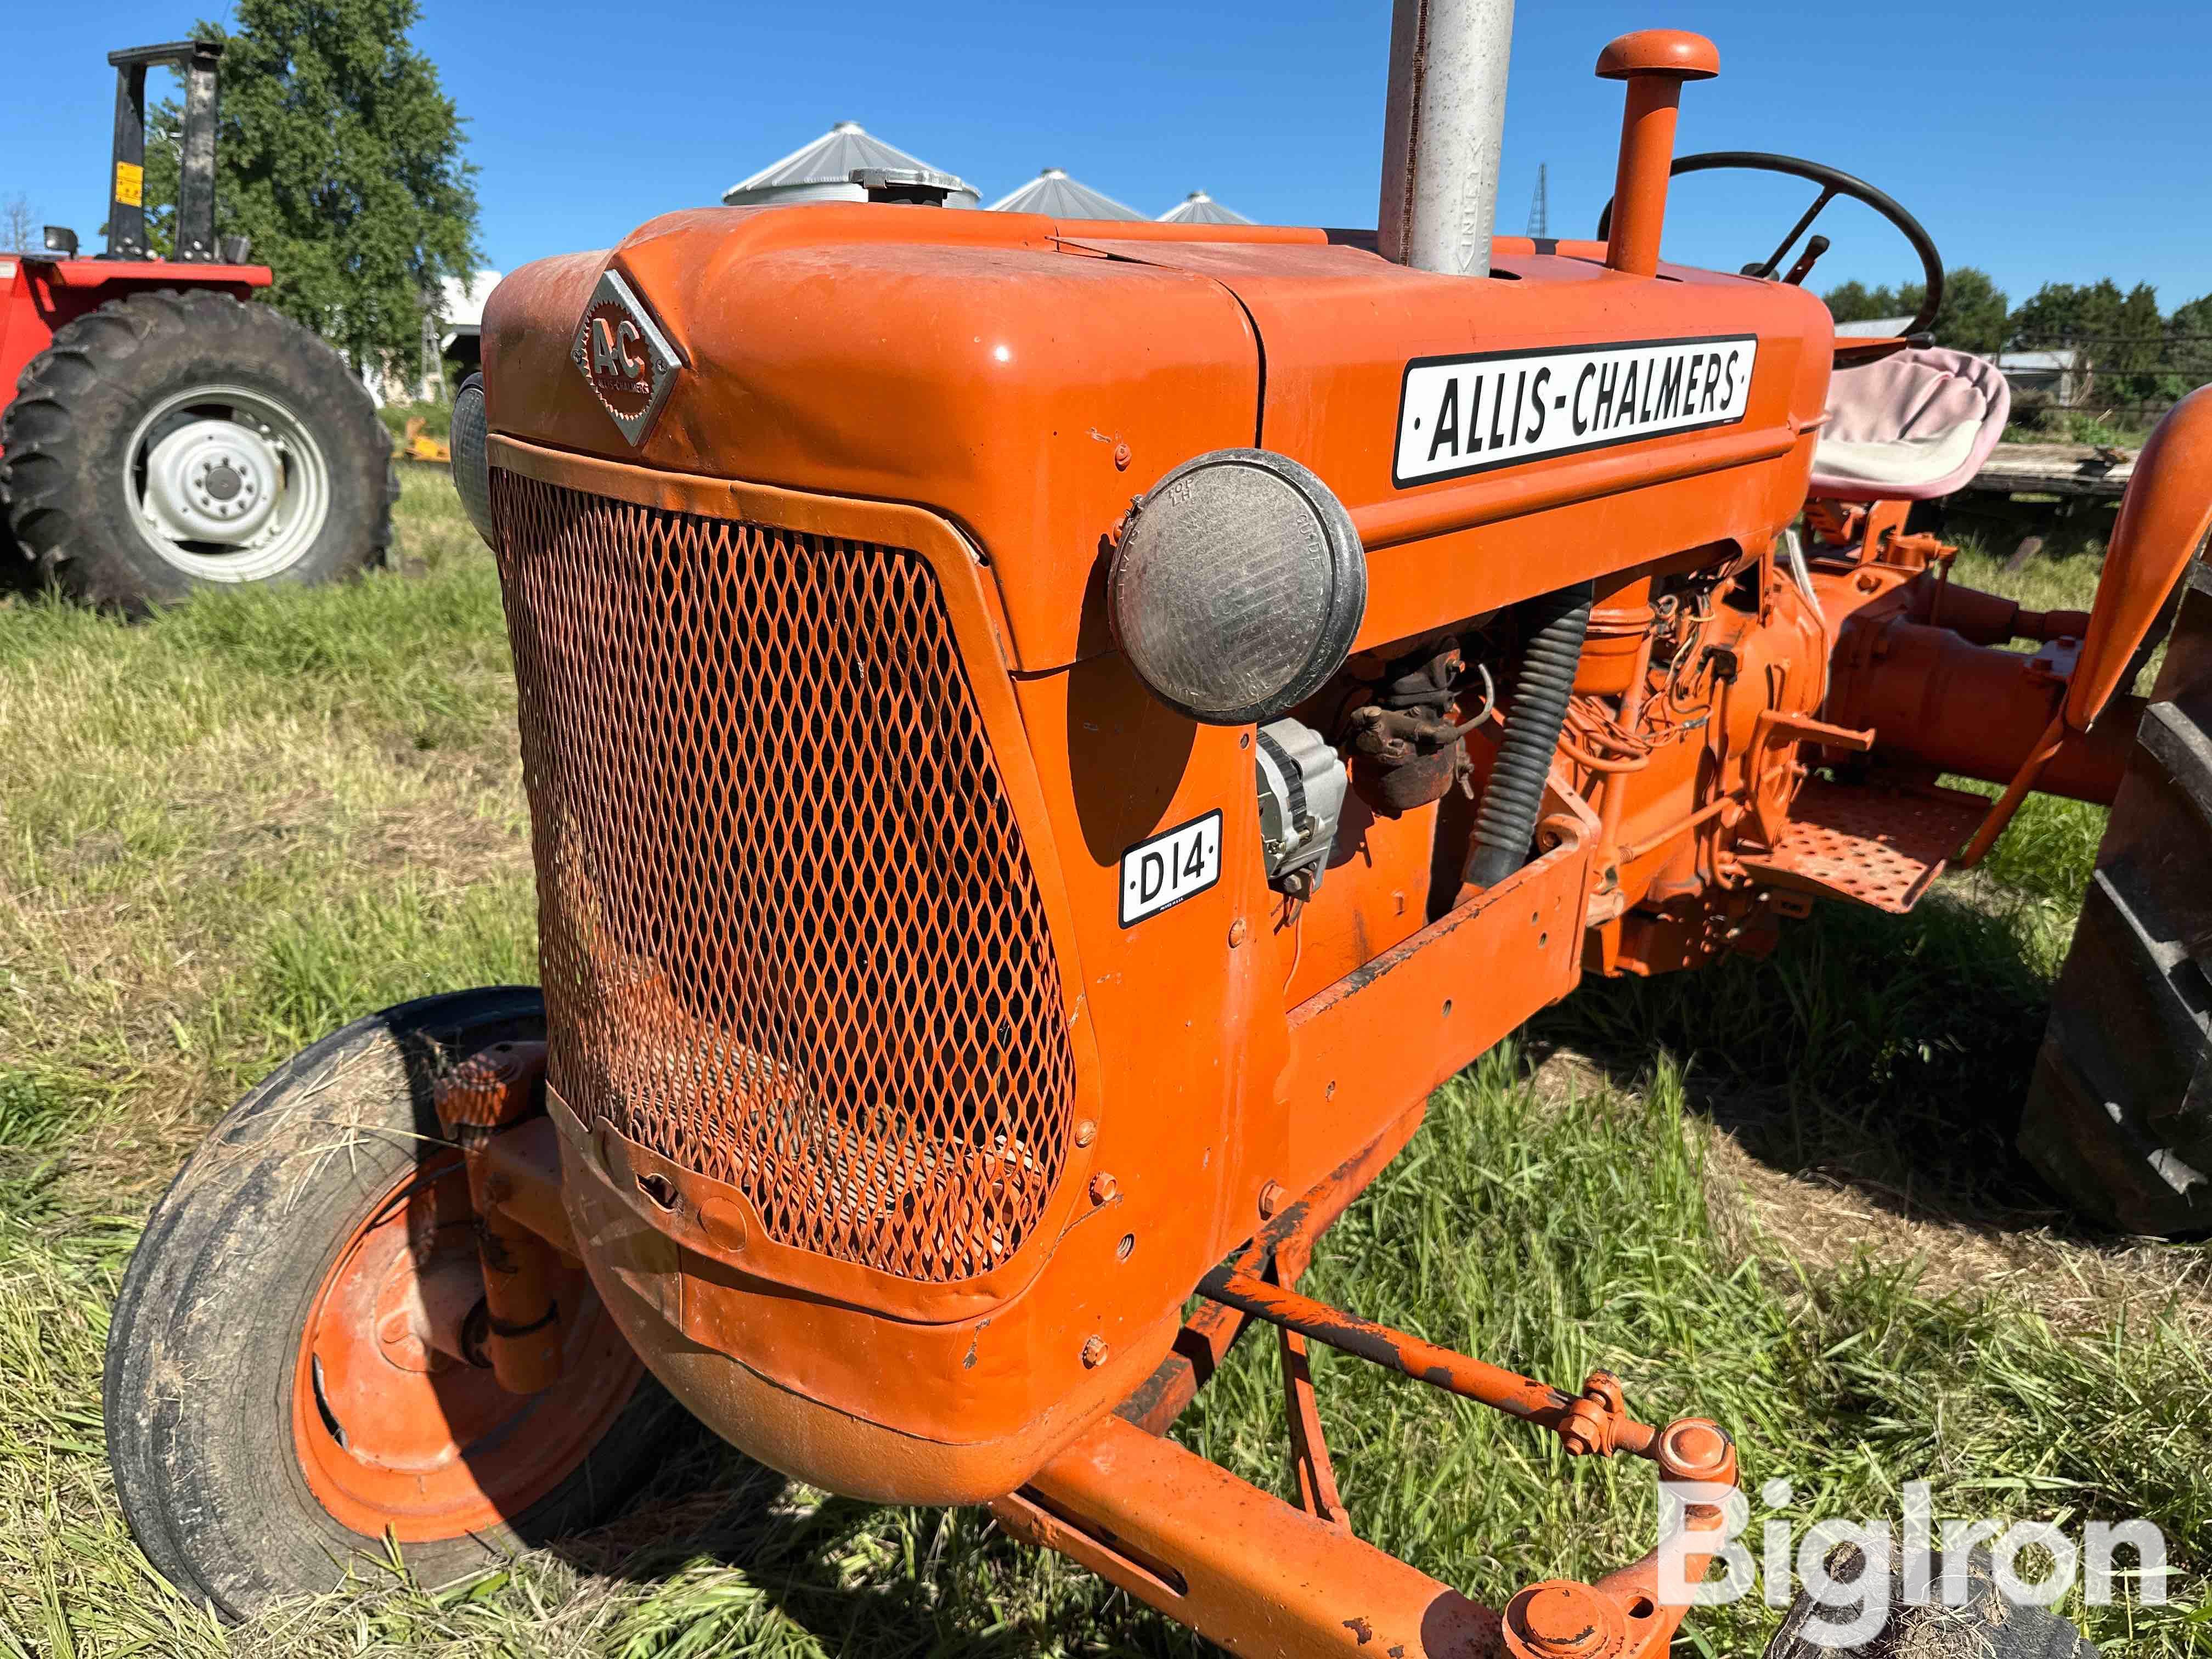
213,481
228,484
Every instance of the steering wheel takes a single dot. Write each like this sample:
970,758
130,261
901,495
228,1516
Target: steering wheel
1833,183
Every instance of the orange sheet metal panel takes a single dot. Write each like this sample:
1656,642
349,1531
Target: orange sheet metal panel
1027,379
1179,1036
2163,519
962,359
836,1396
1396,1027
1340,326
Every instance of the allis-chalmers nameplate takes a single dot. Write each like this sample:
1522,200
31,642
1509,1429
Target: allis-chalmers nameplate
1462,415
625,357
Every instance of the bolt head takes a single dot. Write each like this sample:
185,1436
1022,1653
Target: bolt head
1270,1199
1094,1352
1691,1449
1085,1133
1563,1620
1104,1189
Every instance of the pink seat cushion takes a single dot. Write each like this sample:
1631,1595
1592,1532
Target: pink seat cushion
1909,427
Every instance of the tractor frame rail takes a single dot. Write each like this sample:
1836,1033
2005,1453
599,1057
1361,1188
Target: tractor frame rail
1259,1575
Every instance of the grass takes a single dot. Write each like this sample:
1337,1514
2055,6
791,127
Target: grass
1780,1194
2074,426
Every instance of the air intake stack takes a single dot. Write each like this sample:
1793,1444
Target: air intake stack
1443,129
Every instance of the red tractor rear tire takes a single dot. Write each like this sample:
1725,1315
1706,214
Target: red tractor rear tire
180,440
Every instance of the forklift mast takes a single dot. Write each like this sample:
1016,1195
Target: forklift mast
195,61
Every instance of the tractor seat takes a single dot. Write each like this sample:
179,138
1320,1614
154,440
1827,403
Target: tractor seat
1909,427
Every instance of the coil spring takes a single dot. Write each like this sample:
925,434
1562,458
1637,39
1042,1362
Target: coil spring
1554,624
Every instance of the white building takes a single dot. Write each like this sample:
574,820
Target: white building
460,318
2064,372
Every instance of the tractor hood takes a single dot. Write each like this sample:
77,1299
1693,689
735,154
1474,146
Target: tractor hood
1027,378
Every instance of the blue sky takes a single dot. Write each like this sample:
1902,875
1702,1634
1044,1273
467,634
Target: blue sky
2037,140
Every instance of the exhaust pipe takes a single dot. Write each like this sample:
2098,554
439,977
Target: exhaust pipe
1442,131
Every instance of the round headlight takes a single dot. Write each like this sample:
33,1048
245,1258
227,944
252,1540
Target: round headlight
471,455
1237,586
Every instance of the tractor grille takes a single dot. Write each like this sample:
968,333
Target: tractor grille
789,934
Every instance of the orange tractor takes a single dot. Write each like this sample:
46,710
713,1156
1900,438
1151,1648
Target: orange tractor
1046,742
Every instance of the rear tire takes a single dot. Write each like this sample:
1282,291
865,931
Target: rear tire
205,1342
278,469
2120,1112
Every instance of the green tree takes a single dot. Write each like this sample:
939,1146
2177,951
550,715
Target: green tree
2123,334
1855,302
1974,312
2137,356
2058,312
2189,341
340,155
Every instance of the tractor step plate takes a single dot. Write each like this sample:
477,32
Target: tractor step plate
1872,846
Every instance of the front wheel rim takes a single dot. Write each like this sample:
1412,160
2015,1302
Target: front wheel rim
388,1444
252,447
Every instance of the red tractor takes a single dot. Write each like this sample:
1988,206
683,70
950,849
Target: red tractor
159,432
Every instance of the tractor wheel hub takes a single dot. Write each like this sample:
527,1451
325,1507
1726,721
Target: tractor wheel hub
227,483
213,481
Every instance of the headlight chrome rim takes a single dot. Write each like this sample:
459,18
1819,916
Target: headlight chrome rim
471,456
1331,624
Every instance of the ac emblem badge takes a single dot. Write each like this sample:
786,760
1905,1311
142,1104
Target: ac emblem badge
625,357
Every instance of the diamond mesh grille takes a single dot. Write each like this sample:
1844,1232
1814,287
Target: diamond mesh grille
788,930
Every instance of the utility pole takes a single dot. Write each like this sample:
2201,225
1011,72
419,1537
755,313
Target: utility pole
1539,211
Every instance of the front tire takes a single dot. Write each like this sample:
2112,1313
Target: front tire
176,441
249,1470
